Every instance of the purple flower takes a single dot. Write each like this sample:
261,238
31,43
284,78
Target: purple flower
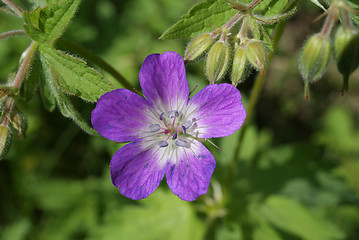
165,128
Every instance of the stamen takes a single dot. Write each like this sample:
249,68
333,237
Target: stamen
154,127
187,124
184,129
172,114
181,143
163,120
174,136
162,144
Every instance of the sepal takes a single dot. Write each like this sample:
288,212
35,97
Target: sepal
198,46
217,61
5,140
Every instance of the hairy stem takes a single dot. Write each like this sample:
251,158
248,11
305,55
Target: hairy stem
243,32
96,60
345,18
12,33
25,65
330,20
254,3
8,11
258,85
19,12
233,21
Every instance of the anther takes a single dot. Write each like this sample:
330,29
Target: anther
181,143
154,127
187,124
184,129
174,136
162,144
161,116
172,114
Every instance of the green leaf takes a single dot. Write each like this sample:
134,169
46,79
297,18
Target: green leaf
271,8
316,2
69,207
201,18
74,76
355,5
62,101
229,231
61,14
47,95
48,24
292,217
162,216
264,231
342,138
16,231
209,14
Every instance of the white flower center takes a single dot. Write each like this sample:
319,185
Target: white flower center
171,127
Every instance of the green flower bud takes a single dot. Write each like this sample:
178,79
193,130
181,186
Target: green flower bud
239,66
5,140
217,61
346,52
19,123
256,54
314,58
198,46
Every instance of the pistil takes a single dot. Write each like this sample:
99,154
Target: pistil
170,129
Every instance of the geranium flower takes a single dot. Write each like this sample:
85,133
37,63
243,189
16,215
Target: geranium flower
165,128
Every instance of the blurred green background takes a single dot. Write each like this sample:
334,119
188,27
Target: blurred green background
297,176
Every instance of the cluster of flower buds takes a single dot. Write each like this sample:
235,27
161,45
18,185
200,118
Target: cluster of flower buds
11,118
315,55
249,49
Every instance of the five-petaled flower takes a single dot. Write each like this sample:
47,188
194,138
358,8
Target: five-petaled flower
164,129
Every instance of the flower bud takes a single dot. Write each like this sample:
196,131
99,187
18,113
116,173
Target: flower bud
239,66
256,54
217,61
198,46
5,140
19,123
314,57
346,52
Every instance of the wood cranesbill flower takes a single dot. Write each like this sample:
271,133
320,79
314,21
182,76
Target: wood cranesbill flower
164,129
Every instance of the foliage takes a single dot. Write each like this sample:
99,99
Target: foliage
290,173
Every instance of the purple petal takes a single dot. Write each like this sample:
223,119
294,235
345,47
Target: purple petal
136,170
216,111
121,115
189,175
163,81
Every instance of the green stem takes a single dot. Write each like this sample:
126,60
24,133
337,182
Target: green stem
19,78
243,32
12,33
8,11
232,21
254,3
330,20
72,47
345,18
258,85
19,12
25,64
